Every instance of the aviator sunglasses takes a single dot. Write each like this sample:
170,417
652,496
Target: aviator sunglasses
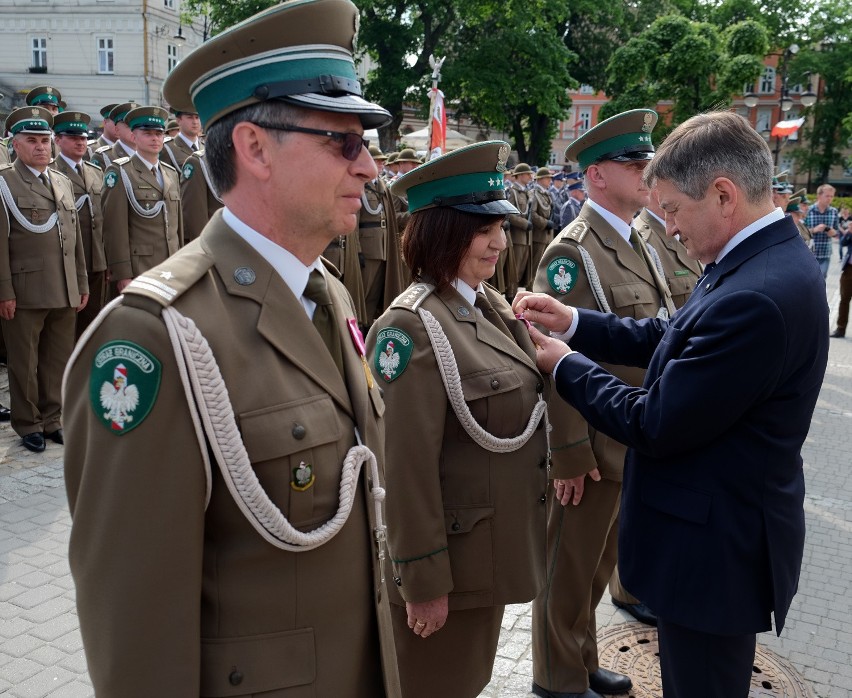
350,143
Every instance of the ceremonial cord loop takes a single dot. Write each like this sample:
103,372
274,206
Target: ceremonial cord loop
9,199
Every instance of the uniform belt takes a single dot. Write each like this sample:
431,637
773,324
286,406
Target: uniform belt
339,241
373,224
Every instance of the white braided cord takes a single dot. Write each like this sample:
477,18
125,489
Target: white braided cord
217,415
369,209
207,179
9,198
594,280
144,212
449,371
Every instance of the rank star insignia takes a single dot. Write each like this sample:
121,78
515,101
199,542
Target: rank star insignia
123,385
166,275
490,182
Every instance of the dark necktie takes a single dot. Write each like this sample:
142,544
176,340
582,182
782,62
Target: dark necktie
323,319
79,170
636,242
44,180
491,315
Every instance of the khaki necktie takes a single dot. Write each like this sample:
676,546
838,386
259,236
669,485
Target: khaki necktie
491,315
636,242
324,320
44,180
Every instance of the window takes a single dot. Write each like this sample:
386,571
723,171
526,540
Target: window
792,115
552,159
587,90
786,162
105,55
169,4
767,81
584,120
764,120
39,45
171,57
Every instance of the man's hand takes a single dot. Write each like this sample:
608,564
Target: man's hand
122,284
543,310
548,351
572,490
427,617
7,309
819,228
83,300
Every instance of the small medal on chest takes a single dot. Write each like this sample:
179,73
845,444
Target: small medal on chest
360,347
303,477
35,216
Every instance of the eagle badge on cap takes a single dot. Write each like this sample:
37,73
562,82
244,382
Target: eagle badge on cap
77,116
502,158
35,111
49,90
648,126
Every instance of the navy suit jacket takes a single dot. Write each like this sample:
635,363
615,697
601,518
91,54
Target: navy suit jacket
712,526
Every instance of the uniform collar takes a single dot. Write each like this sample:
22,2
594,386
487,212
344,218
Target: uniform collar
192,146
73,165
466,292
618,225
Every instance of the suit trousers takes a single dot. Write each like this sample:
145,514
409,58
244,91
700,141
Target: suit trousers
701,665
582,544
845,297
456,661
39,343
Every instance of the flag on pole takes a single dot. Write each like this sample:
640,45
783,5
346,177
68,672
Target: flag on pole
438,143
785,128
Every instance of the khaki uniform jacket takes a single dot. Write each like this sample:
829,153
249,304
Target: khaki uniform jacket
41,270
104,156
4,152
182,598
197,198
378,234
631,291
681,271
519,222
175,152
542,207
462,520
91,184
101,142
133,243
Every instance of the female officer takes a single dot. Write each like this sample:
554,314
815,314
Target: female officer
466,433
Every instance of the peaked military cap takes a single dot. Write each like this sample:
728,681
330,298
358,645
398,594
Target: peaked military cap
407,155
802,196
623,137
106,109
43,94
119,111
147,117
299,52
559,177
36,120
376,153
74,123
522,168
576,185
392,158
543,173
468,179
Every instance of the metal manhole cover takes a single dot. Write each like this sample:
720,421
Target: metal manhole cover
632,649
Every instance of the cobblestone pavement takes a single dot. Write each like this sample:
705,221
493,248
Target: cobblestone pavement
41,653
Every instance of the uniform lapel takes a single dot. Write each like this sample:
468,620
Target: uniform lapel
282,320
77,179
610,238
144,171
36,185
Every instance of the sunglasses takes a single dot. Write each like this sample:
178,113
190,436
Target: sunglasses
350,143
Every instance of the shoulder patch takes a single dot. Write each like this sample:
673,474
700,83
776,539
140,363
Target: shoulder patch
188,170
123,385
412,297
577,230
562,275
111,178
393,350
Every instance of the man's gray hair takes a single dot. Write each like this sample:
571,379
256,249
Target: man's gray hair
711,145
219,148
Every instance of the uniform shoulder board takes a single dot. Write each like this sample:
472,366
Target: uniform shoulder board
93,165
168,165
166,282
199,152
120,161
168,139
6,166
103,148
412,298
330,267
576,231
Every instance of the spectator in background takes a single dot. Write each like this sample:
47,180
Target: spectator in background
845,218
823,222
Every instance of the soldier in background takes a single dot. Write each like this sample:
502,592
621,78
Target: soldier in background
143,221
71,129
391,165
575,196
42,284
198,197
520,226
541,210
45,96
109,135
188,139
172,128
125,146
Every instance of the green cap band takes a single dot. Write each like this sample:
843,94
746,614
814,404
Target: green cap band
30,125
617,145
422,195
233,84
80,126
53,99
147,121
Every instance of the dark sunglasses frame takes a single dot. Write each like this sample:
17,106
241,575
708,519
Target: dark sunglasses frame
350,143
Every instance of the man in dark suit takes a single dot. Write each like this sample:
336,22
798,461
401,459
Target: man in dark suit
712,527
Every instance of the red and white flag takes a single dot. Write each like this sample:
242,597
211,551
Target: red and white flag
785,128
438,143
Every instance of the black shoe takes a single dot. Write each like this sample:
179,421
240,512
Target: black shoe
34,442
544,693
5,413
606,681
838,333
638,610
56,436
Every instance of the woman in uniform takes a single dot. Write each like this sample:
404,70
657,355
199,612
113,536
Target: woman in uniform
466,435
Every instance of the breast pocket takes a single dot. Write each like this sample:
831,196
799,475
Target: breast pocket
494,399
634,299
470,548
297,450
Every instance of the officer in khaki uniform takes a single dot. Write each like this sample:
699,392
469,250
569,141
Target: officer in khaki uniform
143,221
680,271
125,146
583,519
520,226
45,96
87,180
466,523
244,576
541,210
42,277
177,148
198,198
109,136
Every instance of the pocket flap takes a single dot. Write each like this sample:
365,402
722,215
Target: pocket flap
147,194
27,264
676,500
174,195
679,285
29,201
142,250
463,519
633,293
246,665
490,382
295,426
